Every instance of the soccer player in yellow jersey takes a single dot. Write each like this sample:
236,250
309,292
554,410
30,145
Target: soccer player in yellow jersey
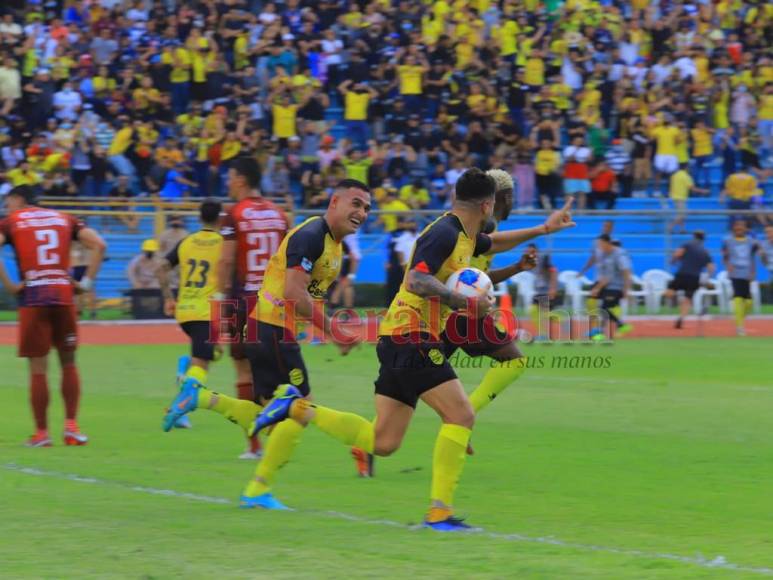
197,256
299,273
411,348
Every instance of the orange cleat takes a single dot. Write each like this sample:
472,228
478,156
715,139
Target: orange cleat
39,439
75,438
364,461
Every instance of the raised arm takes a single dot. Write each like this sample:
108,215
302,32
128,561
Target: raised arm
557,221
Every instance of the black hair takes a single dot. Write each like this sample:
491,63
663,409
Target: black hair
209,211
352,183
605,238
248,168
25,192
475,185
699,235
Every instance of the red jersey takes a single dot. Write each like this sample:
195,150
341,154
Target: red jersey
258,227
41,239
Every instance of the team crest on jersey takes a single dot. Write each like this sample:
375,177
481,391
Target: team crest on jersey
435,356
307,265
296,377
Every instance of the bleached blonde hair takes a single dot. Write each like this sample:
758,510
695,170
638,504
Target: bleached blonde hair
501,178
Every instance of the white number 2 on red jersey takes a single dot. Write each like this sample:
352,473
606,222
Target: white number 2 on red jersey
46,250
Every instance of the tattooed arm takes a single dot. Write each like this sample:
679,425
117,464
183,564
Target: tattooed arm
427,286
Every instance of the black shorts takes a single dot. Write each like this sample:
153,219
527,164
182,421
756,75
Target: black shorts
201,346
741,288
276,360
476,337
610,298
686,283
78,272
411,366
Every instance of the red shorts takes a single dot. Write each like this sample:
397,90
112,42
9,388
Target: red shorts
41,327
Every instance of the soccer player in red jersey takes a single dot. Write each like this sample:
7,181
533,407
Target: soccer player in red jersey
252,230
47,317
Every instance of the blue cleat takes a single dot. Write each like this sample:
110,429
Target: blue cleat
183,363
277,410
183,422
267,501
185,402
451,524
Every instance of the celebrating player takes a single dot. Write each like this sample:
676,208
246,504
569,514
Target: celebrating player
299,273
197,255
738,251
41,239
252,230
411,348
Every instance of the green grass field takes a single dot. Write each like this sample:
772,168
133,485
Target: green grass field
651,468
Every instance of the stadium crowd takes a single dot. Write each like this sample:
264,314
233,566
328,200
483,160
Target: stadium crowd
597,99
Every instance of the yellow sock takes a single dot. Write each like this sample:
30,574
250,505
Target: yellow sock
237,411
281,444
495,381
448,462
739,308
198,374
348,428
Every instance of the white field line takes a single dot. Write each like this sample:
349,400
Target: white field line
718,562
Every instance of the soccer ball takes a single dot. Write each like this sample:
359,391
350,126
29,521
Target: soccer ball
470,282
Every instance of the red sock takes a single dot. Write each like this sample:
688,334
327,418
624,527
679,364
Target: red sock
244,391
39,399
71,391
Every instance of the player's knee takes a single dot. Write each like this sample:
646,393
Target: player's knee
386,448
464,417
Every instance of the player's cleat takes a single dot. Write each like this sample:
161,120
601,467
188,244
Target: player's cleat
183,403
363,461
267,501
593,332
183,363
740,331
75,438
277,410
183,422
598,337
624,329
678,323
450,524
39,439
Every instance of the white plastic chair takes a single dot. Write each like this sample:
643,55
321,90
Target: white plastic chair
656,283
574,294
524,282
635,295
722,291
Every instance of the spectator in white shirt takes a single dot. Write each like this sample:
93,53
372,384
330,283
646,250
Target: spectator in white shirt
67,103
